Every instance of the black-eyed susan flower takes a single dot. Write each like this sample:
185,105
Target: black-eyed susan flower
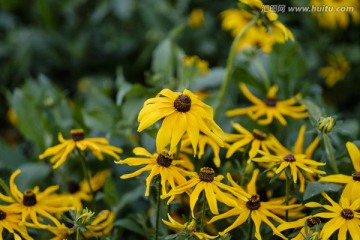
162,164
181,112
97,146
188,229
257,139
297,150
101,225
9,221
203,142
352,182
79,192
36,205
309,226
254,207
211,185
343,216
328,15
270,108
336,70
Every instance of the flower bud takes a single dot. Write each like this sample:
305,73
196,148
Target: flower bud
326,124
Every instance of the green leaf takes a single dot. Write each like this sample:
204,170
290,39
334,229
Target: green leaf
32,174
315,188
10,157
130,225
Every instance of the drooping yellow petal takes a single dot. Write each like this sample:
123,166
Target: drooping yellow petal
354,155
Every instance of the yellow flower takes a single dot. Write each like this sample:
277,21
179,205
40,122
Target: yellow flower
196,18
271,107
298,149
9,220
61,233
203,141
336,13
158,163
353,181
336,70
211,185
101,225
188,227
33,203
312,227
258,36
183,110
97,146
253,207
343,217
257,139
295,163
326,124
80,191
194,61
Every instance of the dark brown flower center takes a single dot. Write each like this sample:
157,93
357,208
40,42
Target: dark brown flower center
77,134
289,158
313,221
73,186
347,214
259,135
254,202
271,102
356,176
182,103
2,215
164,159
207,174
29,198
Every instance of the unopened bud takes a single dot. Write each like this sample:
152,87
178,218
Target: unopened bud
326,124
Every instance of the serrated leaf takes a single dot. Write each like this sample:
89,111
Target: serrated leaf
315,188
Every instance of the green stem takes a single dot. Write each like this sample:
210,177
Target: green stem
203,211
78,234
287,196
250,227
86,171
330,153
6,189
158,200
230,62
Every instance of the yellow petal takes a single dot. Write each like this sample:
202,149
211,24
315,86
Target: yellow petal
354,155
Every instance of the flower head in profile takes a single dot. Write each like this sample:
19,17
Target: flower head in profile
211,185
352,182
34,204
327,16
336,70
162,164
196,18
97,146
254,207
343,216
203,142
257,139
101,224
270,108
309,226
189,229
9,221
181,113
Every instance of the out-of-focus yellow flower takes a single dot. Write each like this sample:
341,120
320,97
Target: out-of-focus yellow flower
196,18
353,181
182,112
336,13
344,216
97,146
9,221
188,227
32,203
336,71
11,116
194,61
162,164
101,225
270,108
211,185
